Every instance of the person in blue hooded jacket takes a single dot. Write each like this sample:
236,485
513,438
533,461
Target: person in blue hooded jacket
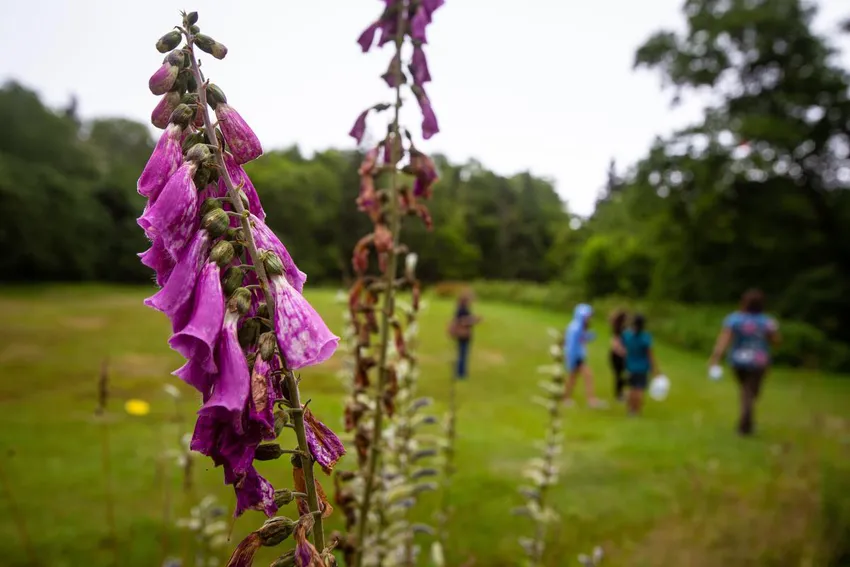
575,354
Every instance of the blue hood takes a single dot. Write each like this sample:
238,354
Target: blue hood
582,312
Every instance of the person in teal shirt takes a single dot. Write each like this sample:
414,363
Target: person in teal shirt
637,342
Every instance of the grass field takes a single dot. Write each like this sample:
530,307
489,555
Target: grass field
673,488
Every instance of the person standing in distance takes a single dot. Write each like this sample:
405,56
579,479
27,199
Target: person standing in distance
640,360
618,353
460,330
575,355
748,335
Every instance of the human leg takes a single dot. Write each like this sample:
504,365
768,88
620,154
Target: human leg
462,356
618,368
572,378
637,386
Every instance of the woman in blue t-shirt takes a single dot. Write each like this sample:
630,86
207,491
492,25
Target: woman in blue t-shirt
748,334
637,343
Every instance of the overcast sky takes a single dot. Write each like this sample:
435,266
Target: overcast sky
540,85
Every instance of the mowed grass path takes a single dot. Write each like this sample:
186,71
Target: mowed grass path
675,487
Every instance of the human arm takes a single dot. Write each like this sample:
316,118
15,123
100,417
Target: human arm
720,345
653,364
773,332
617,346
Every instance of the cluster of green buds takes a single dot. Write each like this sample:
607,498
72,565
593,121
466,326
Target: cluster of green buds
542,472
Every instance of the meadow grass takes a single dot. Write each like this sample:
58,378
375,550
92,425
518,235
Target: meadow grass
674,487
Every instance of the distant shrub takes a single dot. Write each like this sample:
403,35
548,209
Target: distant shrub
690,327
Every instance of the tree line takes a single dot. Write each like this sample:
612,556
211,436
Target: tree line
755,194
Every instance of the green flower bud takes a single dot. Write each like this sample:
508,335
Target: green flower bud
244,198
268,452
281,418
232,280
222,254
192,18
273,265
169,41
268,346
263,310
194,30
283,496
182,115
249,332
191,140
192,84
202,178
199,152
285,560
276,530
176,58
209,205
216,222
181,85
189,98
240,301
215,95
209,45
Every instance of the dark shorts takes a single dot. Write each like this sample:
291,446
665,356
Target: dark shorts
638,380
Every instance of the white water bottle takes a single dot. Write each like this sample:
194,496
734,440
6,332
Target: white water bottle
715,372
659,387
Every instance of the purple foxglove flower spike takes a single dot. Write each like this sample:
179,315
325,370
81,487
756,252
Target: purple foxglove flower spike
325,446
367,38
164,161
301,332
267,240
419,66
194,374
196,341
429,119
230,391
239,177
253,492
359,129
243,143
174,215
174,297
162,111
159,260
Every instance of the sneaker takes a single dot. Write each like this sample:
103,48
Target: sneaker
569,402
597,404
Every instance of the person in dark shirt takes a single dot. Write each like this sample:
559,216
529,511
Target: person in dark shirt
460,329
618,353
